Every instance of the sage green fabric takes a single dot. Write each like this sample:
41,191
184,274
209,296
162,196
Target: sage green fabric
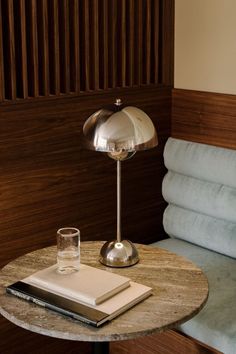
215,325
202,196
200,188
215,234
206,162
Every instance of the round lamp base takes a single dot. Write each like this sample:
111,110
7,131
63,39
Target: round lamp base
118,254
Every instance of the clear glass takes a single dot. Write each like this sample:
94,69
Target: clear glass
68,250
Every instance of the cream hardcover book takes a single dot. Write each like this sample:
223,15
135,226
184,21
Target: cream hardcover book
89,285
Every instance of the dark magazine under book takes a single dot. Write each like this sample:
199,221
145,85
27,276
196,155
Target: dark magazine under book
57,303
92,315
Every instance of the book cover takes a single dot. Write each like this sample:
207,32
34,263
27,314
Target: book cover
89,285
95,315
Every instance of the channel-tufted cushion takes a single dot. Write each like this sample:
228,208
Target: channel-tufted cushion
200,188
201,161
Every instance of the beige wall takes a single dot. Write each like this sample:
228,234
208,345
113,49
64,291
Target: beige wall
205,45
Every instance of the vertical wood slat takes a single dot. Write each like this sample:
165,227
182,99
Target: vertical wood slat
55,50
64,47
104,51
130,49
156,41
12,64
167,68
86,37
67,46
122,45
140,42
113,43
74,47
2,88
45,49
94,67
24,63
147,42
32,50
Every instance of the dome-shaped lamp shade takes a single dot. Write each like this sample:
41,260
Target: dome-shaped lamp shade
128,129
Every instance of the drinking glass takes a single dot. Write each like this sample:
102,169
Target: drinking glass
68,250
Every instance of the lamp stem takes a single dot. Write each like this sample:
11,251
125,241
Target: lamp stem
118,164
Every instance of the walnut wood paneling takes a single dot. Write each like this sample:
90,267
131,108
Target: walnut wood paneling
170,342
60,60
15,340
204,117
48,180
58,47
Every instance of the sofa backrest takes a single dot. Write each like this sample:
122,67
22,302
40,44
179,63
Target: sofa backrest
200,187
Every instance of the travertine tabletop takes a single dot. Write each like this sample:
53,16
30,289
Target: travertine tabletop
180,290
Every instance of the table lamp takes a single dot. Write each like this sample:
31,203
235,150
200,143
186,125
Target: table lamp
120,132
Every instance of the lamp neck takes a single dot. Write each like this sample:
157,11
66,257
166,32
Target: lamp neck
118,164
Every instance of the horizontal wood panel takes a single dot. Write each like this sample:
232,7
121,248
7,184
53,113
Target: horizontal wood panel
204,117
170,342
48,180
16,340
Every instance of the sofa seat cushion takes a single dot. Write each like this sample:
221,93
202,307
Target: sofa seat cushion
215,325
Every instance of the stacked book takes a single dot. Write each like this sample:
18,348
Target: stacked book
91,295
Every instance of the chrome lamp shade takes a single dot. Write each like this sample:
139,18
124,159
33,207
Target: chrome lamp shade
120,132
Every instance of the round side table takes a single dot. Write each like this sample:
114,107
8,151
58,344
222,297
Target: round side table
180,290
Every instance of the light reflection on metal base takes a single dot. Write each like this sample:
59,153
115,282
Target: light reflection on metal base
119,254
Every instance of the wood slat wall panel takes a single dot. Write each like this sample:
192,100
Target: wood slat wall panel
68,47
204,117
